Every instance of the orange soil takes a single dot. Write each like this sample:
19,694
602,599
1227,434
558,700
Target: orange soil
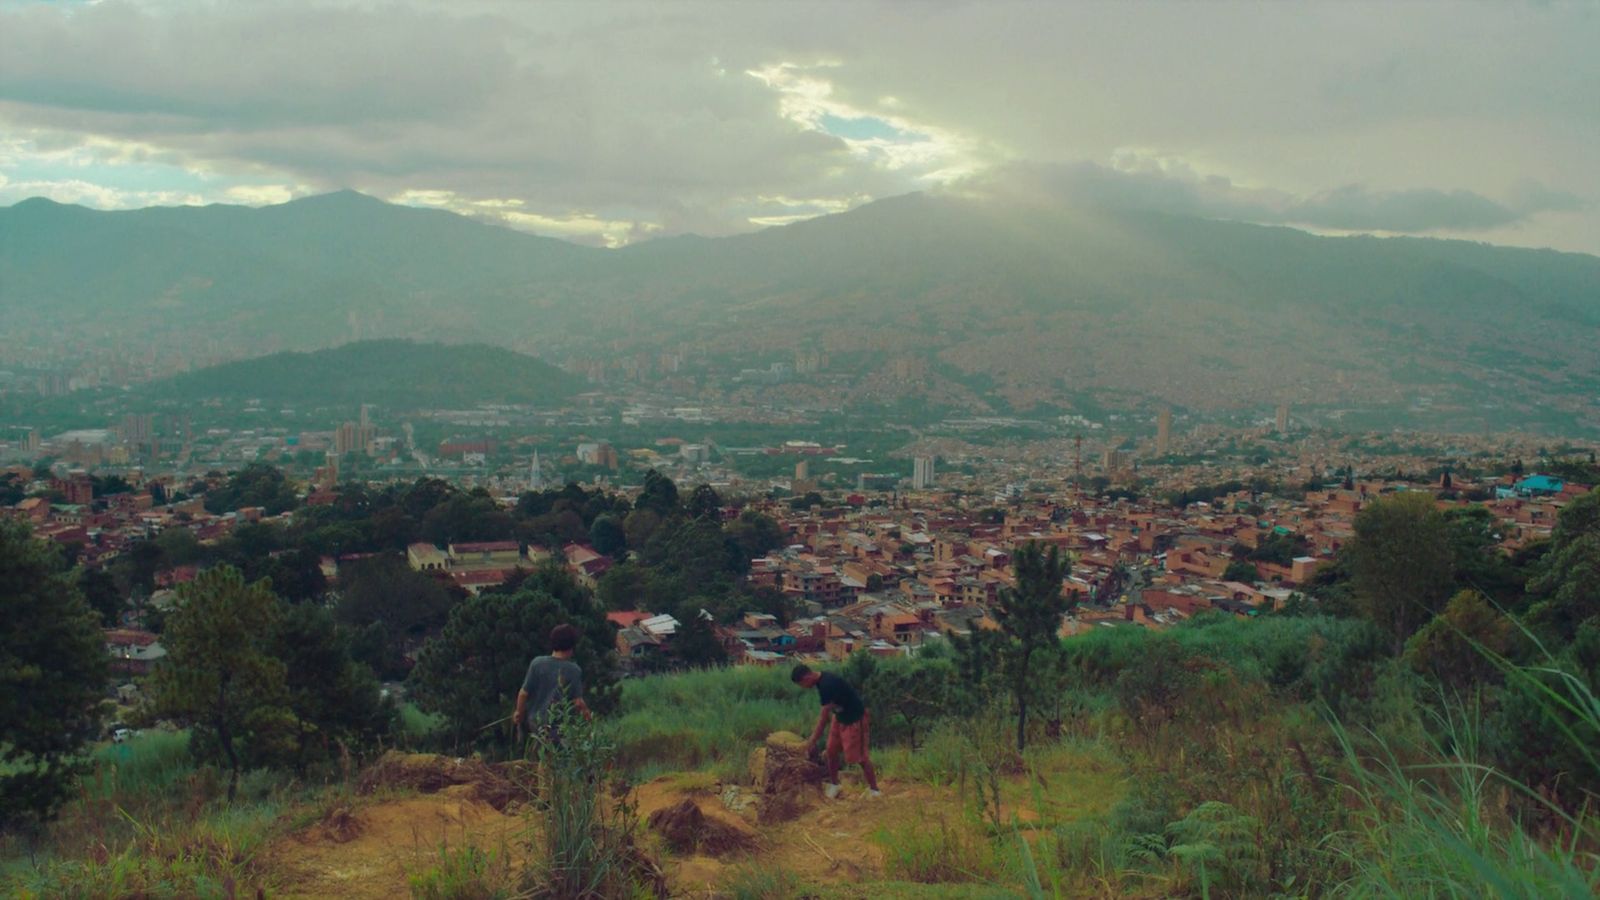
370,852
387,841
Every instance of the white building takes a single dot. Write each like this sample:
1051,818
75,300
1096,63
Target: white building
922,473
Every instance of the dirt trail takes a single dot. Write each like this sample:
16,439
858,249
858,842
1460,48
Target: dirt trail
370,849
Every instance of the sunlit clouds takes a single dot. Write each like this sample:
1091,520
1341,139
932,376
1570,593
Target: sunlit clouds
613,123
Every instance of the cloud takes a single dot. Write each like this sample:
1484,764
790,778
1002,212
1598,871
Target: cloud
614,121
1155,183
606,125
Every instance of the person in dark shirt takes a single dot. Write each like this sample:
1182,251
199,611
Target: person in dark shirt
848,734
550,680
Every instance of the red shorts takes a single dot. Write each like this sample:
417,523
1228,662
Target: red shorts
852,739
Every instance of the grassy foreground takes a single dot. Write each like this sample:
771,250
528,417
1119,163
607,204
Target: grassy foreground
1275,758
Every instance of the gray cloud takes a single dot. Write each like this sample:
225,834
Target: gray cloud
1171,187
643,116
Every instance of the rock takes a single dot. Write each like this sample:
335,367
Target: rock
687,829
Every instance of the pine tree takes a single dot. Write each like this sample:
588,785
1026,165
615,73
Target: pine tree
52,676
219,673
1029,615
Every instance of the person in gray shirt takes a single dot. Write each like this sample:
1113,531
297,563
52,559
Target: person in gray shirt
550,680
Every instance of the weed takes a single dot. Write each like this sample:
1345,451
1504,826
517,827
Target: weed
937,853
751,882
464,873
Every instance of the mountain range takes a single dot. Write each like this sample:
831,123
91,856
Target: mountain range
958,300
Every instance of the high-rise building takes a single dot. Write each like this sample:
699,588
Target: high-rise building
352,437
137,428
802,470
1164,432
922,473
1283,418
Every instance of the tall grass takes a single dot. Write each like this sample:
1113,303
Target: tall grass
211,856
588,838
147,822
704,720
145,767
1435,820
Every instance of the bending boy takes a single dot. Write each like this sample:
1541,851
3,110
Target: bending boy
849,732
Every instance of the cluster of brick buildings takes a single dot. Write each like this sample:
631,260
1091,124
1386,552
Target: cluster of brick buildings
885,579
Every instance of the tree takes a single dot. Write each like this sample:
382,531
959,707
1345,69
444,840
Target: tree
333,698
257,484
756,534
811,498
1239,570
1455,648
1401,564
696,642
695,549
905,695
705,503
101,592
467,517
1029,616
52,676
13,488
640,526
219,673
607,536
1567,582
659,495
387,592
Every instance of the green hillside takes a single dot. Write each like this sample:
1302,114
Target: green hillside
397,375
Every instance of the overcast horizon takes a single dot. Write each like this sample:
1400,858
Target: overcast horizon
610,123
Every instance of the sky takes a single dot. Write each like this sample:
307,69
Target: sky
609,123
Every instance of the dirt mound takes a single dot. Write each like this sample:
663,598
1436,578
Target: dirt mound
367,852
339,826
429,773
785,778
687,829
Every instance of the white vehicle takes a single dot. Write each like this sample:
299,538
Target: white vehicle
121,734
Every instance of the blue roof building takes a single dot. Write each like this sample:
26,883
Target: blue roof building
1534,486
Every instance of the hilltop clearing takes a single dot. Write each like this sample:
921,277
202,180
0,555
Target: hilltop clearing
402,828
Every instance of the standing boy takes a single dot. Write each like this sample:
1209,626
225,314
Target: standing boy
550,680
849,733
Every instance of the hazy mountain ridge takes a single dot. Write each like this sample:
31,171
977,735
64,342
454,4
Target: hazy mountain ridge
1041,303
